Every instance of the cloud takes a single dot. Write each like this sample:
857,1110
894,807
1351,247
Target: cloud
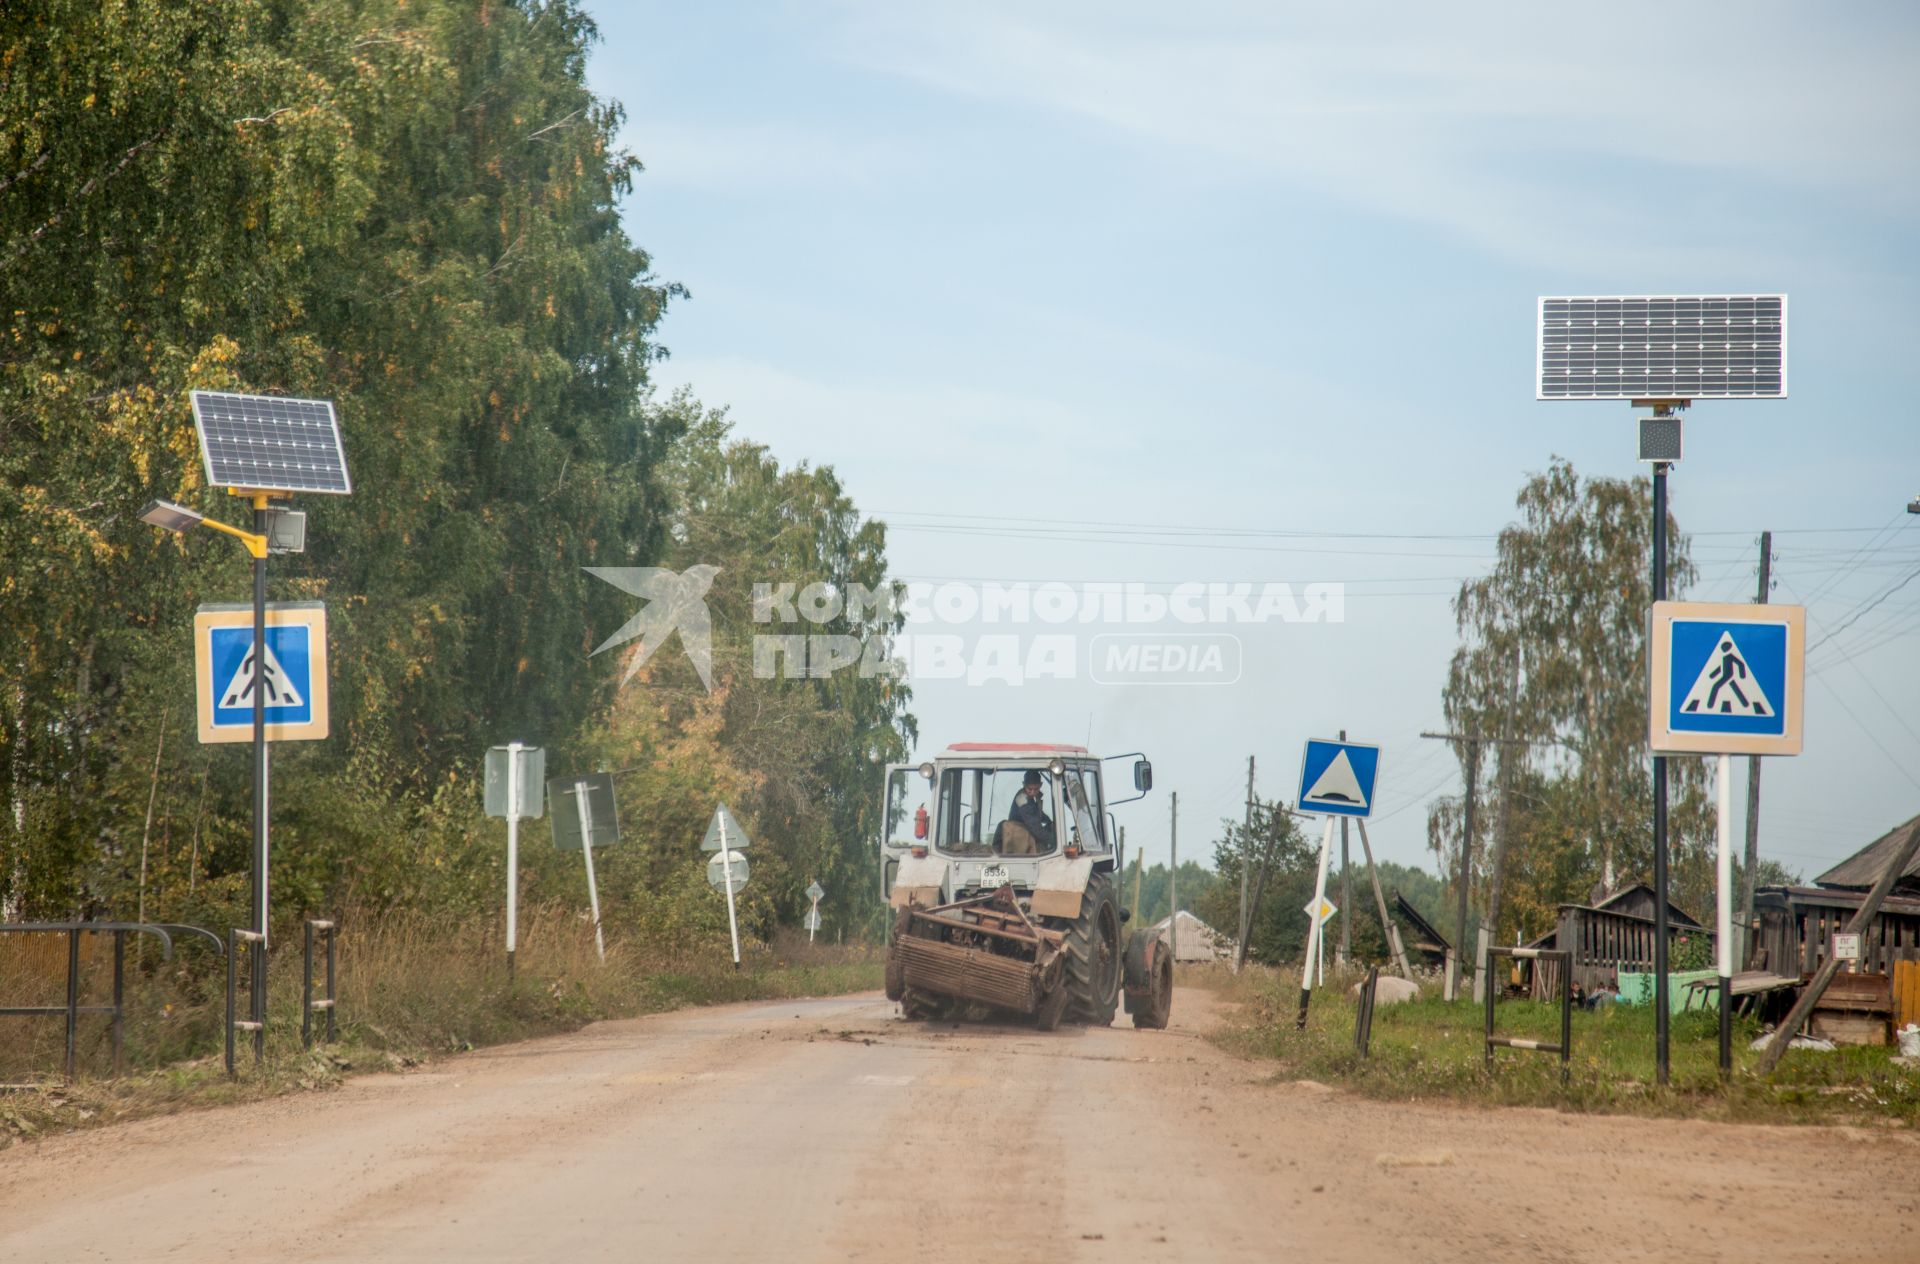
1535,131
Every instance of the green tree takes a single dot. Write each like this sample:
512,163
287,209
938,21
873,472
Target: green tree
410,208
1553,651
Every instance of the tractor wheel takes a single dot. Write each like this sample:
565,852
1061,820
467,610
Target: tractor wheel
896,976
1093,955
1149,980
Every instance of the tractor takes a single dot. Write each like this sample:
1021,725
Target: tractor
1001,863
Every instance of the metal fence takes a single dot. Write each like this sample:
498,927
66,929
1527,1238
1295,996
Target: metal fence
1564,961
163,931
307,1003
256,1022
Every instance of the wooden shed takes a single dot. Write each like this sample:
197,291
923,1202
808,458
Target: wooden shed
1611,935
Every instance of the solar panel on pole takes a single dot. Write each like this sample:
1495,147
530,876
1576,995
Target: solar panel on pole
268,443
1663,347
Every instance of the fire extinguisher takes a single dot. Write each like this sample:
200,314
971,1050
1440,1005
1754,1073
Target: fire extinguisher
920,821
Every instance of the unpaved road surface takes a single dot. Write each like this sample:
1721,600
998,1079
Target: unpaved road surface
832,1130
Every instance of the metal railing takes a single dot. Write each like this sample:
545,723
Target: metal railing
164,931
307,1003
1565,1047
256,946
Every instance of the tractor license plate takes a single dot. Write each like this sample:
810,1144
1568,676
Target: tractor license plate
994,876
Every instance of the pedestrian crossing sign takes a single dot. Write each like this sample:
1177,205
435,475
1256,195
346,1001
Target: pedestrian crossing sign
1726,679
294,680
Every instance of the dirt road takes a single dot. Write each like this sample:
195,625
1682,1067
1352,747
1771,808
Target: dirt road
832,1130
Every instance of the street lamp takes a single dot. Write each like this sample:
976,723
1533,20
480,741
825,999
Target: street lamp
171,517
1913,506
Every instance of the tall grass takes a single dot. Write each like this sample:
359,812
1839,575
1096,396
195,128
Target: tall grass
1433,1048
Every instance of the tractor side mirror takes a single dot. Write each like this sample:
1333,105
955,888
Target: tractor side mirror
1142,775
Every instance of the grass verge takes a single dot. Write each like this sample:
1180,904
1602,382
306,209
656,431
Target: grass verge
1430,1049
409,989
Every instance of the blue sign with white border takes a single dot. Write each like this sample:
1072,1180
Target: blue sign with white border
1338,778
295,684
1726,679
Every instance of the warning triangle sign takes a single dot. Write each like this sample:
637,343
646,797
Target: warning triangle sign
1726,685
277,686
1337,784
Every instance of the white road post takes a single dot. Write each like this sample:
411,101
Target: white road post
513,851
1313,923
726,866
586,846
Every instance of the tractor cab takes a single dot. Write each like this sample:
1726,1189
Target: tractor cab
992,814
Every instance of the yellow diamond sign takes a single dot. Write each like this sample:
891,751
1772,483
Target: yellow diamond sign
1321,910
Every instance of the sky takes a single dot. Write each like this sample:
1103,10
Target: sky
1226,292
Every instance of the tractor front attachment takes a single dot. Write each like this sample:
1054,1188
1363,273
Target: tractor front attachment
983,950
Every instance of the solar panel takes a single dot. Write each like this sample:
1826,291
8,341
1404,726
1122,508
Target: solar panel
1663,347
269,444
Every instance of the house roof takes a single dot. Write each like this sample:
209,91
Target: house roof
1630,899
1862,869
1421,925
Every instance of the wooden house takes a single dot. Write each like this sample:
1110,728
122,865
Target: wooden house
1794,929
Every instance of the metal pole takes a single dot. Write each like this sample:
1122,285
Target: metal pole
1724,910
73,996
1313,924
119,996
586,847
1246,863
513,852
1661,1018
233,952
1346,888
306,988
333,992
257,981
1753,775
726,873
1173,881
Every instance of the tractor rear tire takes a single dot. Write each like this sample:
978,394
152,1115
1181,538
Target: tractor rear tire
1093,956
1149,980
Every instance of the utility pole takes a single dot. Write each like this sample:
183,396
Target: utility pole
1246,863
1497,879
1173,880
1346,892
1388,926
1473,741
1753,777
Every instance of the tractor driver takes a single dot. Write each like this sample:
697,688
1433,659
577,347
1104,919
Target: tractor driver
1030,813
